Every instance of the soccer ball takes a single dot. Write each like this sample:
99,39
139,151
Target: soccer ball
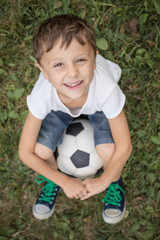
77,155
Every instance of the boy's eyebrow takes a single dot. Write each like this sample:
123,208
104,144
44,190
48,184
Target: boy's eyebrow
61,59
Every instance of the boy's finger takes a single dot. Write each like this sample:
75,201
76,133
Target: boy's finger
89,194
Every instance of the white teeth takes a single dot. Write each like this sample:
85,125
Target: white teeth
72,84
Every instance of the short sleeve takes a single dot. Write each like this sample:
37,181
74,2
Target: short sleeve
109,67
38,110
38,101
114,104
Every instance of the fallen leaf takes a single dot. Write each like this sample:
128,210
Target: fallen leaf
139,198
122,29
132,26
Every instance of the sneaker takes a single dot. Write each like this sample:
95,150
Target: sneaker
114,208
44,206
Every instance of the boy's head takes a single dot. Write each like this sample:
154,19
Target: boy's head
66,27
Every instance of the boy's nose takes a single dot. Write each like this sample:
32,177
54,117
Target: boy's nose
72,71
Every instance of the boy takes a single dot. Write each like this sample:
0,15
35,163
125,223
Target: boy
75,80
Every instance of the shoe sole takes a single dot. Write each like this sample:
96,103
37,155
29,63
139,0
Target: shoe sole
42,216
114,220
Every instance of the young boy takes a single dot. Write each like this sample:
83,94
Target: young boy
75,80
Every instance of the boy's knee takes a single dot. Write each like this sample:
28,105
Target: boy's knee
105,151
43,151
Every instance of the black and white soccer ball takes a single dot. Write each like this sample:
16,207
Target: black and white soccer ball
77,155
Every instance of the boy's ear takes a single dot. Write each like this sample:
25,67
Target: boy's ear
42,70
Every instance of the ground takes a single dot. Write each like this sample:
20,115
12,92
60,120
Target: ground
128,33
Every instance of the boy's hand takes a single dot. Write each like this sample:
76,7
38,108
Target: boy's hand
74,188
93,186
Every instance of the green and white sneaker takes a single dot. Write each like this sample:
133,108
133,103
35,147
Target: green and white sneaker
44,206
114,208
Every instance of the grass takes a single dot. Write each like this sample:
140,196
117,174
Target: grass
127,33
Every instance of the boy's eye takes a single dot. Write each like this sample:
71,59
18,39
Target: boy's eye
58,65
81,60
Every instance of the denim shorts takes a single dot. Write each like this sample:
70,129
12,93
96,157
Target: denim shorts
55,124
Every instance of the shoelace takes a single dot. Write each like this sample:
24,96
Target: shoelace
113,196
49,189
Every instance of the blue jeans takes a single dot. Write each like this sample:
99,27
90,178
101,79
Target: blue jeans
55,124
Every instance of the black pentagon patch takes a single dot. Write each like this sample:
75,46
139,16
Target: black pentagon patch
56,154
74,129
80,159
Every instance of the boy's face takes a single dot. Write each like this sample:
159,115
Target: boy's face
70,70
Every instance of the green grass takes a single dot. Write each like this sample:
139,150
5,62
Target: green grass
131,30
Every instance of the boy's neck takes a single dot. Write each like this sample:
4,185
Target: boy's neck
73,103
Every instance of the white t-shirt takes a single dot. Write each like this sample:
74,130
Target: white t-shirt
104,94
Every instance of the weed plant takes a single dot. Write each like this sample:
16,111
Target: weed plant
128,32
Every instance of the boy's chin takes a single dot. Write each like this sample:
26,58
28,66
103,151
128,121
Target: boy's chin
73,101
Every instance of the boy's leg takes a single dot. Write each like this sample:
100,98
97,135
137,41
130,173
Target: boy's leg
105,152
44,206
50,135
114,207
103,139
46,154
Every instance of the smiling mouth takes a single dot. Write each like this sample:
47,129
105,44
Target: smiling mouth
73,85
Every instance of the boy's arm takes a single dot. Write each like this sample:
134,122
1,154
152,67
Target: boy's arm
73,188
123,148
